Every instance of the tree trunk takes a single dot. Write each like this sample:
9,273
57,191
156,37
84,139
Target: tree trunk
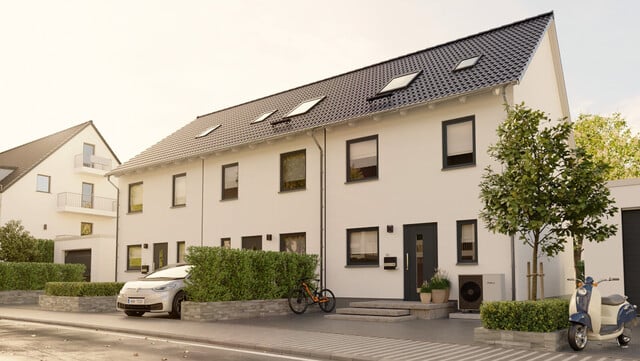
577,257
534,269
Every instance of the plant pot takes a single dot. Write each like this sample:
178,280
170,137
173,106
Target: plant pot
425,297
440,296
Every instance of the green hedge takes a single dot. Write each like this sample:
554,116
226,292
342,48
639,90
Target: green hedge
221,274
33,276
533,316
45,250
82,289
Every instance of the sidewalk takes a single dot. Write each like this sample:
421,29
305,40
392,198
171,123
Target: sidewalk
313,336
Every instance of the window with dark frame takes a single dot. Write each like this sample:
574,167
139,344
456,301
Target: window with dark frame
362,158
134,257
458,142
293,242
253,243
43,183
362,247
86,228
293,170
467,231
181,251
135,197
230,181
179,198
225,243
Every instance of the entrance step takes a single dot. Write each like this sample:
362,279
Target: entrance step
373,311
393,311
350,317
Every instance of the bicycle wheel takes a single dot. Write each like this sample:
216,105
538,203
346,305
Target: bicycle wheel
327,300
298,300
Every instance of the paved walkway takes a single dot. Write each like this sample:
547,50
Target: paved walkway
313,336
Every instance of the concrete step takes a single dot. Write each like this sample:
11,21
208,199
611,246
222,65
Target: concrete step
369,318
373,311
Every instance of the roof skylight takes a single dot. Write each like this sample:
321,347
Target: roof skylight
467,63
399,82
208,131
262,117
4,172
304,107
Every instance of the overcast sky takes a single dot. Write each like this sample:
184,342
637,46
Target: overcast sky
143,69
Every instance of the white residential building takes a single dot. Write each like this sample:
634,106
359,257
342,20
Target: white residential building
56,186
376,170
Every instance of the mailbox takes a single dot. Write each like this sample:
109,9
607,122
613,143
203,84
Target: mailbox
144,269
390,262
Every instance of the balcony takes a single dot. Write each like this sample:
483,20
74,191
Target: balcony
77,203
92,165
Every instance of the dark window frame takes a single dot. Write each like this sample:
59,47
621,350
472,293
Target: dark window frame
173,190
351,262
283,185
462,160
459,225
224,240
48,177
134,268
178,251
129,210
89,226
294,234
226,193
350,177
247,240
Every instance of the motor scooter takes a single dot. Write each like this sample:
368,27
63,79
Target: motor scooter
593,317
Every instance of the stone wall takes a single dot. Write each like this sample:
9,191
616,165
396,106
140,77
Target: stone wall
547,341
233,310
78,304
20,297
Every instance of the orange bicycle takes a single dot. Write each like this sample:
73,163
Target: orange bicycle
305,294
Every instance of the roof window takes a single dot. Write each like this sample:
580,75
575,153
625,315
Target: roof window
397,83
208,131
304,107
467,63
263,117
4,172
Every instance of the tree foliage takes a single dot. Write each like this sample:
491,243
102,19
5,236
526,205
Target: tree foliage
17,245
610,140
545,192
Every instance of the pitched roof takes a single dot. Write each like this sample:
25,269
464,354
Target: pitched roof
24,158
505,53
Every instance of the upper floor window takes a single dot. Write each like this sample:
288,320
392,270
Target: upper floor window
86,228
293,170
230,181
362,246
293,242
88,151
135,197
467,241
43,183
458,142
362,158
134,257
179,190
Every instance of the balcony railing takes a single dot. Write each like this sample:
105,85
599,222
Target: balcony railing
78,203
94,162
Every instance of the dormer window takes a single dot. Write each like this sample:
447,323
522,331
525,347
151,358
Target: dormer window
397,83
208,131
263,117
467,63
304,107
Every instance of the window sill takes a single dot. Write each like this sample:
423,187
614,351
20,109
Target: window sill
370,179
362,266
467,263
293,190
461,166
179,206
136,212
229,199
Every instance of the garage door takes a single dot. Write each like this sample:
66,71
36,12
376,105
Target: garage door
82,256
631,251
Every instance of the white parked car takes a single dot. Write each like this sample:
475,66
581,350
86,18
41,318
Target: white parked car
160,291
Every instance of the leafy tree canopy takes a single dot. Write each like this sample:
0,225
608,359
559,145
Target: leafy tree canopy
17,244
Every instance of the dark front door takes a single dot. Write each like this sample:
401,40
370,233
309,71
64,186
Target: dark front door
82,256
160,251
420,257
631,254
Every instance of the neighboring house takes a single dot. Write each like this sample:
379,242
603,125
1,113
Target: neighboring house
376,166
56,186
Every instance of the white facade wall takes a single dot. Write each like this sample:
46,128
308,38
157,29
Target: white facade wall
39,212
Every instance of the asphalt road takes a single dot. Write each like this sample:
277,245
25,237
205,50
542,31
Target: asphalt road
20,341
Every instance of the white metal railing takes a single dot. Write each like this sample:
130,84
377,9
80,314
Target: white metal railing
94,161
85,201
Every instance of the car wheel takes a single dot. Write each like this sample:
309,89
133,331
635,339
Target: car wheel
176,305
134,313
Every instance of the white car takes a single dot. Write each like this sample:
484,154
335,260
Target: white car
160,291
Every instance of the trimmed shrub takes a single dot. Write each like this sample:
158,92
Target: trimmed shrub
45,250
27,276
82,289
221,274
547,315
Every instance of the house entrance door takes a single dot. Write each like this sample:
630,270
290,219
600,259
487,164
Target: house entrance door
420,257
631,253
160,251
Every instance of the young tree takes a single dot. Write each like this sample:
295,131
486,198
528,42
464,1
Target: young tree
523,197
609,140
16,244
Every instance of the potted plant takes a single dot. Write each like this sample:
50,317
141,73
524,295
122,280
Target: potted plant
425,292
440,286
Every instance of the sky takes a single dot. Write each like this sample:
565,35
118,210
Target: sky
142,69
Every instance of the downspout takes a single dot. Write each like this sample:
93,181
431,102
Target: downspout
323,205
202,206
115,278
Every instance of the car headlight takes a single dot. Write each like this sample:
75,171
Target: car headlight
582,291
165,287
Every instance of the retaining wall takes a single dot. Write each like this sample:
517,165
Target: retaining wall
20,297
95,304
233,310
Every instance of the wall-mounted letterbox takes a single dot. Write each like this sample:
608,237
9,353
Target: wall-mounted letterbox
390,262
144,269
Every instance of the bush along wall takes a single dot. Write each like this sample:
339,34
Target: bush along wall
221,274
26,276
83,289
547,315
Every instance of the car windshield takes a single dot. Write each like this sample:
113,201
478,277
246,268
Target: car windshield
170,273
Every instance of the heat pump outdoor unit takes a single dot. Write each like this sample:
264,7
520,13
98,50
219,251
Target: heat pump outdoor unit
477,288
